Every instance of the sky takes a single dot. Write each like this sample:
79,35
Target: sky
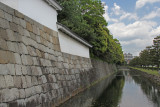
134,23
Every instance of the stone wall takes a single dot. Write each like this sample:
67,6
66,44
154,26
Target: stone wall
154,78
33,70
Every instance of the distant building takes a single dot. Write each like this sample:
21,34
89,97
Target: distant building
128,57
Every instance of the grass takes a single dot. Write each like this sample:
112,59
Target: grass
152,72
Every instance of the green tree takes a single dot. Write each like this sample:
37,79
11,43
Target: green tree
156,46
135,62
85,18
145,58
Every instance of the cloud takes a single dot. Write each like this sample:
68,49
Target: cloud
129,16
155,32
117,10
106,15
135,36
138,29
141,3
135,46
152,15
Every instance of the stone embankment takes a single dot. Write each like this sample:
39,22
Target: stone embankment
33,70
153,78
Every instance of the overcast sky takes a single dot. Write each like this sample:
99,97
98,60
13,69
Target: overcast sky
134,22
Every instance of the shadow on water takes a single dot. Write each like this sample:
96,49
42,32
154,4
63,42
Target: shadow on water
127,89
95,96
112,94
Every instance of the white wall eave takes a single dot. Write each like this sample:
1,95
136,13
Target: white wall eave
54,4
72,35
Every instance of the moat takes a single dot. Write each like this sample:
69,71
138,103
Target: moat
126,89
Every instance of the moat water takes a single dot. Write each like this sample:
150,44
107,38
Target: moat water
126,89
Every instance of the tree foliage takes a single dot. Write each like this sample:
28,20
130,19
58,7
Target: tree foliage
85,18
149,56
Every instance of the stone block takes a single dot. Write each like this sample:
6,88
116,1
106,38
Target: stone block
54,33
2,82
18,14
16,20
14,27
26,33
24,84
32,43
17,58
27,60
31,51
29,27
24,70
1,13
12,46
28,92
45,87
23,23
8,17
35,61
28,81
11,69
28,19
8,95
36,71
55,86
22,93
33,36
45,62
38,89
3,44
38,39
3,34
60,59
38,53
18,69
57,48
9,35
51,78
59,65
66,65
34,80
4,23
29,70
9,81
35,31
44,80
20,30
3,57
10,57
17,81
22,48
46,56
52,57
25,40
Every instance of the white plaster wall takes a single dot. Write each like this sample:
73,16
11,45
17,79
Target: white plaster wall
71,46
37,10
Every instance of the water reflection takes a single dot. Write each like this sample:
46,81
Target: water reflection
112,94
149,89
126,90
